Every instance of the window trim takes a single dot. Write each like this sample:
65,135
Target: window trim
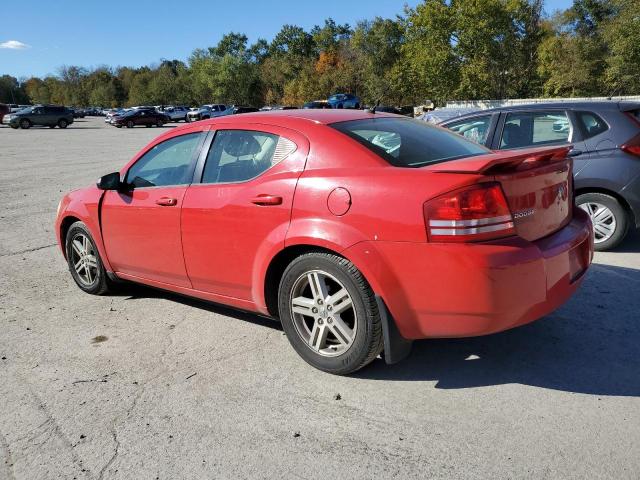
202,160
192,163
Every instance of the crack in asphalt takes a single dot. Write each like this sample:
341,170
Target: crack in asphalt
34,249
55,428
113,457
8,460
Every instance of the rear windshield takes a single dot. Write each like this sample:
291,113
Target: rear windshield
404,142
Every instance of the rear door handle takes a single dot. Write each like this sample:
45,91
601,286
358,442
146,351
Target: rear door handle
267,200
166,201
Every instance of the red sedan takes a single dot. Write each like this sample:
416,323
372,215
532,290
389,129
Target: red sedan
359,231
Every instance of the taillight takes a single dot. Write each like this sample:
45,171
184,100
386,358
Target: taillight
471,214
632,146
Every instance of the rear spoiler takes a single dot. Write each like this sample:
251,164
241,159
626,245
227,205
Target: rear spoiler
503,160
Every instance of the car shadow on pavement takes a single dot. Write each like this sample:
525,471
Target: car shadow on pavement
133,291
591,345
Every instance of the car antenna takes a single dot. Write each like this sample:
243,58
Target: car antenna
373,110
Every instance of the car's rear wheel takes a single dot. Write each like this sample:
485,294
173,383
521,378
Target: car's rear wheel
329,313
62,123
84,260
130,124
25,124
609,218
159,123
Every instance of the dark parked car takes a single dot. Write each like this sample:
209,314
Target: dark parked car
237,109
140,116
77,112
343,100
316,104
605,137
45,115
4,109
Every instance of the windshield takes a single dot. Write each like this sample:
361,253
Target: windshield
404,142
26,110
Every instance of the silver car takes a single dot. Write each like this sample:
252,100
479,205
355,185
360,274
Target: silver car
176,114
206,111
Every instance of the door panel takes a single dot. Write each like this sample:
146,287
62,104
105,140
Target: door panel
142,236
141,226
226,225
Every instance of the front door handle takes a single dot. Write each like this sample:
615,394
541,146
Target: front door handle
166,201
267,200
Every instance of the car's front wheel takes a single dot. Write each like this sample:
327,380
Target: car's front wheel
84,260
329,313
609,218
25,124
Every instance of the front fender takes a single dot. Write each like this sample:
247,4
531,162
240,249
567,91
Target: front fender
85,206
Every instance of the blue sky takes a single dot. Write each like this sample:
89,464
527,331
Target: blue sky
141,32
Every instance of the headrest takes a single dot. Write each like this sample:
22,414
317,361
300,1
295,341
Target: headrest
241,145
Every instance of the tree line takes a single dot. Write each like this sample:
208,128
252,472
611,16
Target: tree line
439,50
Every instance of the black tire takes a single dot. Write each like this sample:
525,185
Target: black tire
367,342
25,124
130,124
357,107
14,126
100,284
159,123
148,126
62,123
620,215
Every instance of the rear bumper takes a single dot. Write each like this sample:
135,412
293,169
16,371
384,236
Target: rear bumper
457,290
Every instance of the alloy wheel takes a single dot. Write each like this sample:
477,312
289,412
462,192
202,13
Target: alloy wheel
84,259
323,313
603,219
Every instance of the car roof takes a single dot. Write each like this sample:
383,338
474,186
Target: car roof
303,116
593,106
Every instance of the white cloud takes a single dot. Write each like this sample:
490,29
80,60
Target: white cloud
14,45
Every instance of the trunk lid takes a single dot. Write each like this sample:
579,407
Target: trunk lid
537,184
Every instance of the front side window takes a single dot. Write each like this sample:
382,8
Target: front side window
409,143
475,129
240,155
530,129
166,163
591,124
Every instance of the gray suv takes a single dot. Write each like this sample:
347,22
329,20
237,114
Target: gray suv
605,140
45,115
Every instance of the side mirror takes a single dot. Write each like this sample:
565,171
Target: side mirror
110,181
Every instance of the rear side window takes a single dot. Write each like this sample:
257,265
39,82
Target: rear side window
475,129
409,143
529,129
591,124
240,155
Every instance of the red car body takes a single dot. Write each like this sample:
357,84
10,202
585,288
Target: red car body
227,243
